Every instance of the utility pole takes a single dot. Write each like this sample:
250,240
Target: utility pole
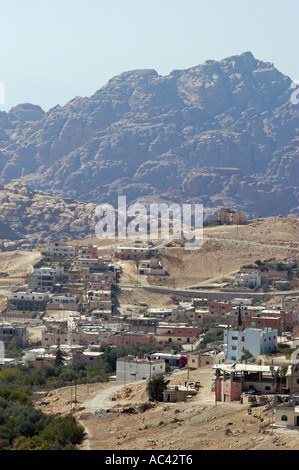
125,361
75,392
71,398
273,404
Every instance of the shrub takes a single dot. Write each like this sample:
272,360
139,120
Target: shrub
64,430
15,395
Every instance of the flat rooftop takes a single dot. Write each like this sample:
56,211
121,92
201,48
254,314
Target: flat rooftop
245,368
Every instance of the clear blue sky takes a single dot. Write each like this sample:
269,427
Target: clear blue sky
54,50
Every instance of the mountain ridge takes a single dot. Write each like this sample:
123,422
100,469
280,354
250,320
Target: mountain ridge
149,136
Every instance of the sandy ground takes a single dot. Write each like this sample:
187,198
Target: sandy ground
216,262
220,260
199,424
17,264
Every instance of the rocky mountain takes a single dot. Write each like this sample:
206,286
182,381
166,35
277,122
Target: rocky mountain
220,133
32,217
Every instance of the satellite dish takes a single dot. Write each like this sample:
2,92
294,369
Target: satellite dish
294,358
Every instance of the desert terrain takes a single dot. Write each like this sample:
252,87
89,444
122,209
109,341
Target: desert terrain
17,264
113,417
113,413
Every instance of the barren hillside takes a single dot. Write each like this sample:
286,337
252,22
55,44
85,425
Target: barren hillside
199,424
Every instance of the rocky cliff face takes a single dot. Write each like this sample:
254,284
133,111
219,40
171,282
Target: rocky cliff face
221,133
32,217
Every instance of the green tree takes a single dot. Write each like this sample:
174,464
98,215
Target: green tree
59,357
156,386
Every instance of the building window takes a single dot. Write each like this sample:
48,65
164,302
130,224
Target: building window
284,418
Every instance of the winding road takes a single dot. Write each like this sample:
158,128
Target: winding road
100,401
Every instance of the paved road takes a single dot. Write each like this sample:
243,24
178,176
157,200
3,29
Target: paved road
281,247
163,243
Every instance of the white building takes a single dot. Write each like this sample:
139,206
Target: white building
64,299
248,279
130,368
60,250
254,340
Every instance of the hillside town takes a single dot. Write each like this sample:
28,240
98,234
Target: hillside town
248,339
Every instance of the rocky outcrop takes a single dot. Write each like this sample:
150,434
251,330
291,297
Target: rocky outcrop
221,132
31,217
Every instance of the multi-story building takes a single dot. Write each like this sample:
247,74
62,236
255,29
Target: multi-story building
100,300
91,263
89,251
217,308
271,318
264,323
60,249
130,368
180,334
206,358
248,279
43,279
254,340
28,300
191,315
131,253
53,336
231,380
228,216
9,331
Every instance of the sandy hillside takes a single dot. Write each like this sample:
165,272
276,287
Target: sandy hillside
218,260
199,424
17,264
